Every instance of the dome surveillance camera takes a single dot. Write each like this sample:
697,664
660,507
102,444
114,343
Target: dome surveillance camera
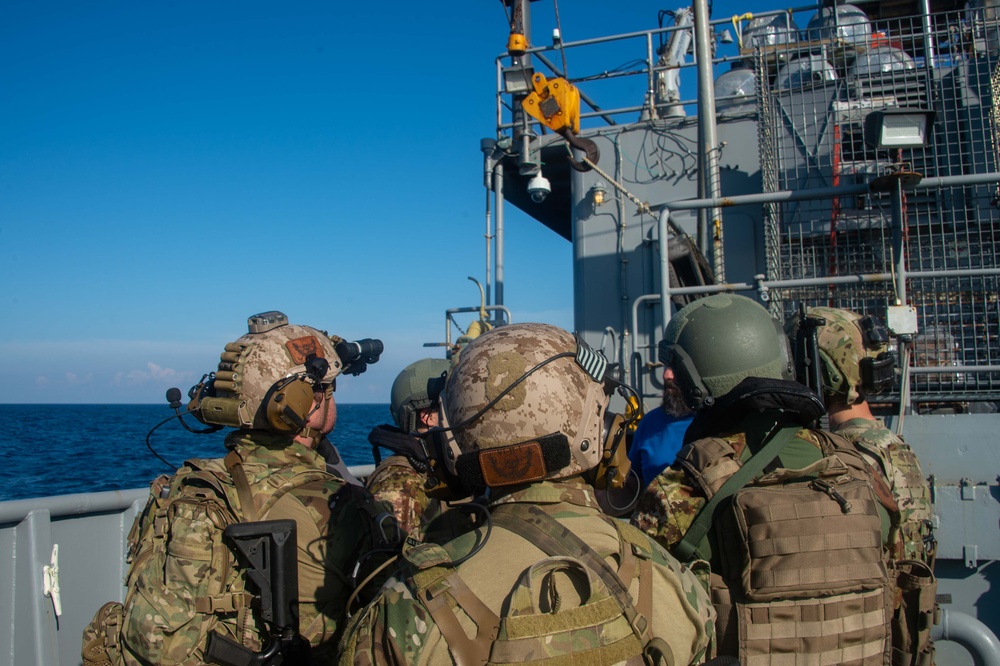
539,188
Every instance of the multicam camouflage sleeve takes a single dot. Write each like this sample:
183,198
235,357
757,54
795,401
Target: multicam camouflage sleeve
402,487
667,508
895,459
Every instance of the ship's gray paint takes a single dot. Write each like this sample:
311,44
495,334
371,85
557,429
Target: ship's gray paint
91,531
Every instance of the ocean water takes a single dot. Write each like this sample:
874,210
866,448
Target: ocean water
61,449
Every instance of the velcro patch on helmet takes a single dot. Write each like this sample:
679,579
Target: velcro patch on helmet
520,463
515,464
302,348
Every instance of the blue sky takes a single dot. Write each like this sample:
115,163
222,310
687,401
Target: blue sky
169,168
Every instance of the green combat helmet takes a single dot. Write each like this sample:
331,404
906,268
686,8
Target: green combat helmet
417,387
854,354
718,341
526,402
266,379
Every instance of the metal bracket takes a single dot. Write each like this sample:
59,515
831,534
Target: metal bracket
50,581
970,553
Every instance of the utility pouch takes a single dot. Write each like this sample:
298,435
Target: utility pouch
102,637
913,615
805,539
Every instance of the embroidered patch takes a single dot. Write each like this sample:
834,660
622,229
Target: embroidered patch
302,348
520,463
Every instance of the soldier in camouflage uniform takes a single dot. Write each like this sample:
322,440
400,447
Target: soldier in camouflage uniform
546,575
854,362
847,344
275,385
396,480
791,518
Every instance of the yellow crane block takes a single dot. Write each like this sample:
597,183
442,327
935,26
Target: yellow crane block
555,103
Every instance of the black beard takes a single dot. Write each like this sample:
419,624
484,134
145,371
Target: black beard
673,401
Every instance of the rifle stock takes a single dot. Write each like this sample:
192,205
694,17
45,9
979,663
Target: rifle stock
267,548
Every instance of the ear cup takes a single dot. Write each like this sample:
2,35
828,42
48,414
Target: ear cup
288,404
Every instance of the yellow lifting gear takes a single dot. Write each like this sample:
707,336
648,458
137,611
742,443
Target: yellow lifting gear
556,104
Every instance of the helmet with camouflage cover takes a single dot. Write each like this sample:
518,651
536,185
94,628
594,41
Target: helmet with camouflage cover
416,388
850,344
524,405
266,379
718,341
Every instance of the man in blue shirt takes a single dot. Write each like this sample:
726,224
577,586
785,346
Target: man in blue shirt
660,434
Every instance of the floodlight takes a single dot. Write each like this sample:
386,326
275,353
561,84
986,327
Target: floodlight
899,128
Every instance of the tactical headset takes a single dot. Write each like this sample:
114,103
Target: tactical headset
286,405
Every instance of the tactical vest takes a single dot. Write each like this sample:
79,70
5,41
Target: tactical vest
183,580
607,628
799,573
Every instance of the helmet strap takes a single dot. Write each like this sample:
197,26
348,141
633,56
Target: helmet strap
696,394
314,435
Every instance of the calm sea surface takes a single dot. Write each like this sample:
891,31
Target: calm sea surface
60,449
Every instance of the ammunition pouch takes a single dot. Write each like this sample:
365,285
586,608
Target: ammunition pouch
914,614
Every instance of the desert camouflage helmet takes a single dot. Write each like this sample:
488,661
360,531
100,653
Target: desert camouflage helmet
524,405
843,348
274,363
718,341
417,387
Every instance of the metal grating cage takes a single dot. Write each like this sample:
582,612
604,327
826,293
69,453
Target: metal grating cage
813,96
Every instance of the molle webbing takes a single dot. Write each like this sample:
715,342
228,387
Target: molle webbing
605,629
709,461
842,629
805,539
536,526
595,632
550,537
690,546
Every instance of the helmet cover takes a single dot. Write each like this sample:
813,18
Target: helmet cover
252,368
843,350
539,396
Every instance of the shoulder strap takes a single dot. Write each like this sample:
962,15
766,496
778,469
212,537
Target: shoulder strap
688,547
247,507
